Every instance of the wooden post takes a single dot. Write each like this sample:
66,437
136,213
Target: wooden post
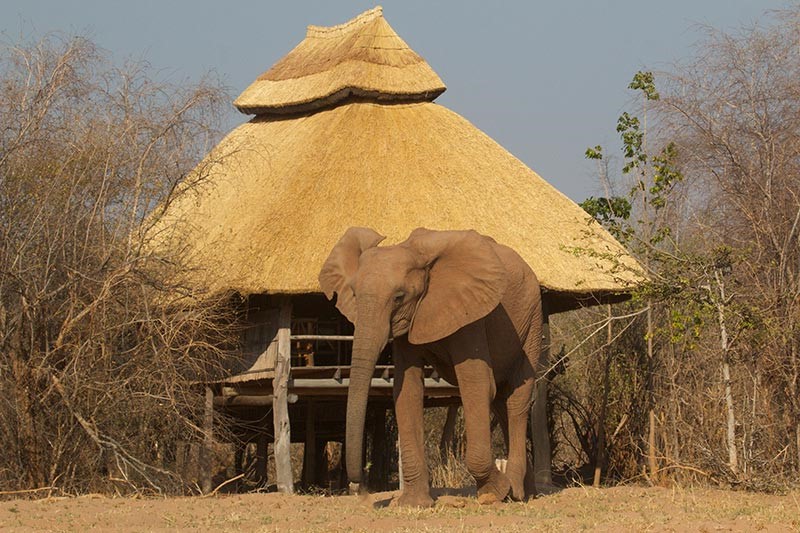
280,406
310,452
539,431
652,462
181,458
261,460
321,461
600,456
208,442
238,459
447,443
402,483
378,474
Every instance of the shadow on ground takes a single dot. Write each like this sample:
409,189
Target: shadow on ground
452,497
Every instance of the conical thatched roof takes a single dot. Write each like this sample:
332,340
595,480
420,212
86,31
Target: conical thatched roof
285,188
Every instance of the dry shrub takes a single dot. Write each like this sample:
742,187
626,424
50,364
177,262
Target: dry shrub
446,460
718,398
100,341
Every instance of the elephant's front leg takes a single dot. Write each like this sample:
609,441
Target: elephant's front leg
476,384
408,405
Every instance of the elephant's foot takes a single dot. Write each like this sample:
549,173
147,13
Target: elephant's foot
414,498
517,480
494,489
517,490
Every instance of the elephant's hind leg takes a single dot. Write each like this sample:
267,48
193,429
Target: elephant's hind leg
477,387
517,409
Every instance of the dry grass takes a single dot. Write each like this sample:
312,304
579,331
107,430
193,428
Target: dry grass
450,472
620,508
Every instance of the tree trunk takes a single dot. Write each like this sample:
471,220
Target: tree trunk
601,423
651,437
540,433
733,455
797,438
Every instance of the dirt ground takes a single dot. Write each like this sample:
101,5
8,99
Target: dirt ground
612,509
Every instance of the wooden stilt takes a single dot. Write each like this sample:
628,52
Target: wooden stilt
261,460
280,407
601,423
539,431
238,459
447,443
322,474
342,468
310,452
208,442
378,475
400,465
181,462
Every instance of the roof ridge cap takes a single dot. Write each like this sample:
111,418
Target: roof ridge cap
367,16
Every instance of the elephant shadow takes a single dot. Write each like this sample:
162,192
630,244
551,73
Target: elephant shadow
455,497
441,495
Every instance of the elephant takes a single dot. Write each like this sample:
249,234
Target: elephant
456,300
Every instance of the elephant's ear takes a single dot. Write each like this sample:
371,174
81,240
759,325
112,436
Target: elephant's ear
341,266
466,281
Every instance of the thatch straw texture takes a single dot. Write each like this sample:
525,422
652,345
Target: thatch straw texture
363,57
285,189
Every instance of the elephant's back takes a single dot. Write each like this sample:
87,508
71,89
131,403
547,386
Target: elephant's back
522,300
521,276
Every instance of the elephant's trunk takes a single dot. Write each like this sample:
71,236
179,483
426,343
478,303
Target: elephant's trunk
369,340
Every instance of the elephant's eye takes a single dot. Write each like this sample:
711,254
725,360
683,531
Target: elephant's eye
398,298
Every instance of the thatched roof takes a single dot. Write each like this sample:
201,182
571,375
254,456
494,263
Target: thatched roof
363,57
283,189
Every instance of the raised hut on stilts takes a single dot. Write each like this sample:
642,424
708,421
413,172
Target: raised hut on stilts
346,133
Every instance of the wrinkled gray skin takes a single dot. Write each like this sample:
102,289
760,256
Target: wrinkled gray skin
456,300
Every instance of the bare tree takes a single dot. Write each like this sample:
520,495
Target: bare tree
735,113
715,217
100,339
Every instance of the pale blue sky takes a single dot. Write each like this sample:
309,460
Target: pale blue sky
544,78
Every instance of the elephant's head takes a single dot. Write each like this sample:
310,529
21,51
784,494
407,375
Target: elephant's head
428,287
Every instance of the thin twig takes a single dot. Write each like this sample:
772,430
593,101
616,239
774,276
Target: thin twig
214,492
24,491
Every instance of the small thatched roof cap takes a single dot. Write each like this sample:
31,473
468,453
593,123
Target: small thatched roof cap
363,57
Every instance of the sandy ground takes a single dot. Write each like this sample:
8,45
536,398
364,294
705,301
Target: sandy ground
616,509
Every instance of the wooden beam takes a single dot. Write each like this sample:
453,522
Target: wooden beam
244,400
375,383
321,337
280,407
539,431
